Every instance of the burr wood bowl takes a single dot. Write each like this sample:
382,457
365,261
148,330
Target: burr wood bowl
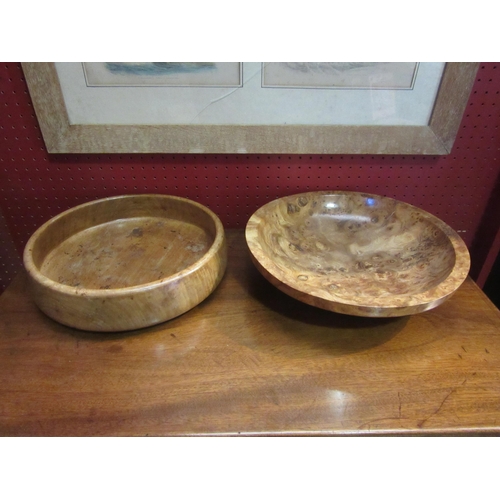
125,262
356,253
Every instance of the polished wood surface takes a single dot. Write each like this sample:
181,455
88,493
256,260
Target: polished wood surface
250,360
357,253
126,262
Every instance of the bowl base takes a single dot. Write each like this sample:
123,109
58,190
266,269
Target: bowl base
126,252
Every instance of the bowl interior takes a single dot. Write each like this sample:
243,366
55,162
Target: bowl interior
123,242
352,247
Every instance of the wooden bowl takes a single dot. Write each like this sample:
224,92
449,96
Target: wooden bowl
125,262
357,253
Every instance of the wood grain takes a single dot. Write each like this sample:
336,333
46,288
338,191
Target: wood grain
357,253
125,262
250,360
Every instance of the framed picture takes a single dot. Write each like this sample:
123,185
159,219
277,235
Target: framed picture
268,108
341,75
162,74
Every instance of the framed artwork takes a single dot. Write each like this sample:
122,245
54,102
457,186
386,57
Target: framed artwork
232,107
340,75
159,74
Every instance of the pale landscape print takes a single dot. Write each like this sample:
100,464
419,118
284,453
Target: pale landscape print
137,74
350,75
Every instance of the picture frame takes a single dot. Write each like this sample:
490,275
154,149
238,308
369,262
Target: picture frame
433,138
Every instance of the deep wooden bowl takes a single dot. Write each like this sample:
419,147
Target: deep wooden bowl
125,262
357,253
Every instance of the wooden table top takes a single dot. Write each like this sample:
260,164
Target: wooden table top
250,360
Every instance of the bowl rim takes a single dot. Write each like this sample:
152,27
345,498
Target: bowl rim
47,282
432,296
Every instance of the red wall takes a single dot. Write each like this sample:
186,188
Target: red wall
459,188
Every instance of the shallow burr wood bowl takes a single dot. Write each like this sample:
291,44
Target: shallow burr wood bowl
125,262
357,253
